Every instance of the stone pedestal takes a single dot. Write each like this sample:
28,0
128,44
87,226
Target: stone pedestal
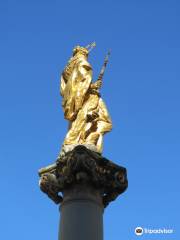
83,183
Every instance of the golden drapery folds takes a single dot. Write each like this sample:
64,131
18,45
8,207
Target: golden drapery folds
82,104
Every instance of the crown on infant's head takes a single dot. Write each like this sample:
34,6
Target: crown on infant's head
84,50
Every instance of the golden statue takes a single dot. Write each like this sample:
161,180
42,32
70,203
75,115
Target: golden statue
82,104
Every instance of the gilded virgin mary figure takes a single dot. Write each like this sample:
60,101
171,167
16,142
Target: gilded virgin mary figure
82,104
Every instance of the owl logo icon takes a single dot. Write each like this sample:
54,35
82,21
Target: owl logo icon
139,231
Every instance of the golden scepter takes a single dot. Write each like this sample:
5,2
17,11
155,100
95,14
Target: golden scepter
100,77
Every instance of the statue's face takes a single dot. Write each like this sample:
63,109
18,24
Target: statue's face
82,54
80,51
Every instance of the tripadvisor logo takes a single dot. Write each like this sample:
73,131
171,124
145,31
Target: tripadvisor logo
139,231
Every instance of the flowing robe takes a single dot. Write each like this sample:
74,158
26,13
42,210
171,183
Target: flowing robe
84,108
74,87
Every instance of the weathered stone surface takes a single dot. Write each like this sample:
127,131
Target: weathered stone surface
83,166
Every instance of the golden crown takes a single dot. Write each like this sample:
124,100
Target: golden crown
84,50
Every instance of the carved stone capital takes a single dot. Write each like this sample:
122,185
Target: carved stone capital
83,166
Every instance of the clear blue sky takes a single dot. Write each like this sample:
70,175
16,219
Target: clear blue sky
141,89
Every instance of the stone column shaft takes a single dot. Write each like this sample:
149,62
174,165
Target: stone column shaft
81,214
